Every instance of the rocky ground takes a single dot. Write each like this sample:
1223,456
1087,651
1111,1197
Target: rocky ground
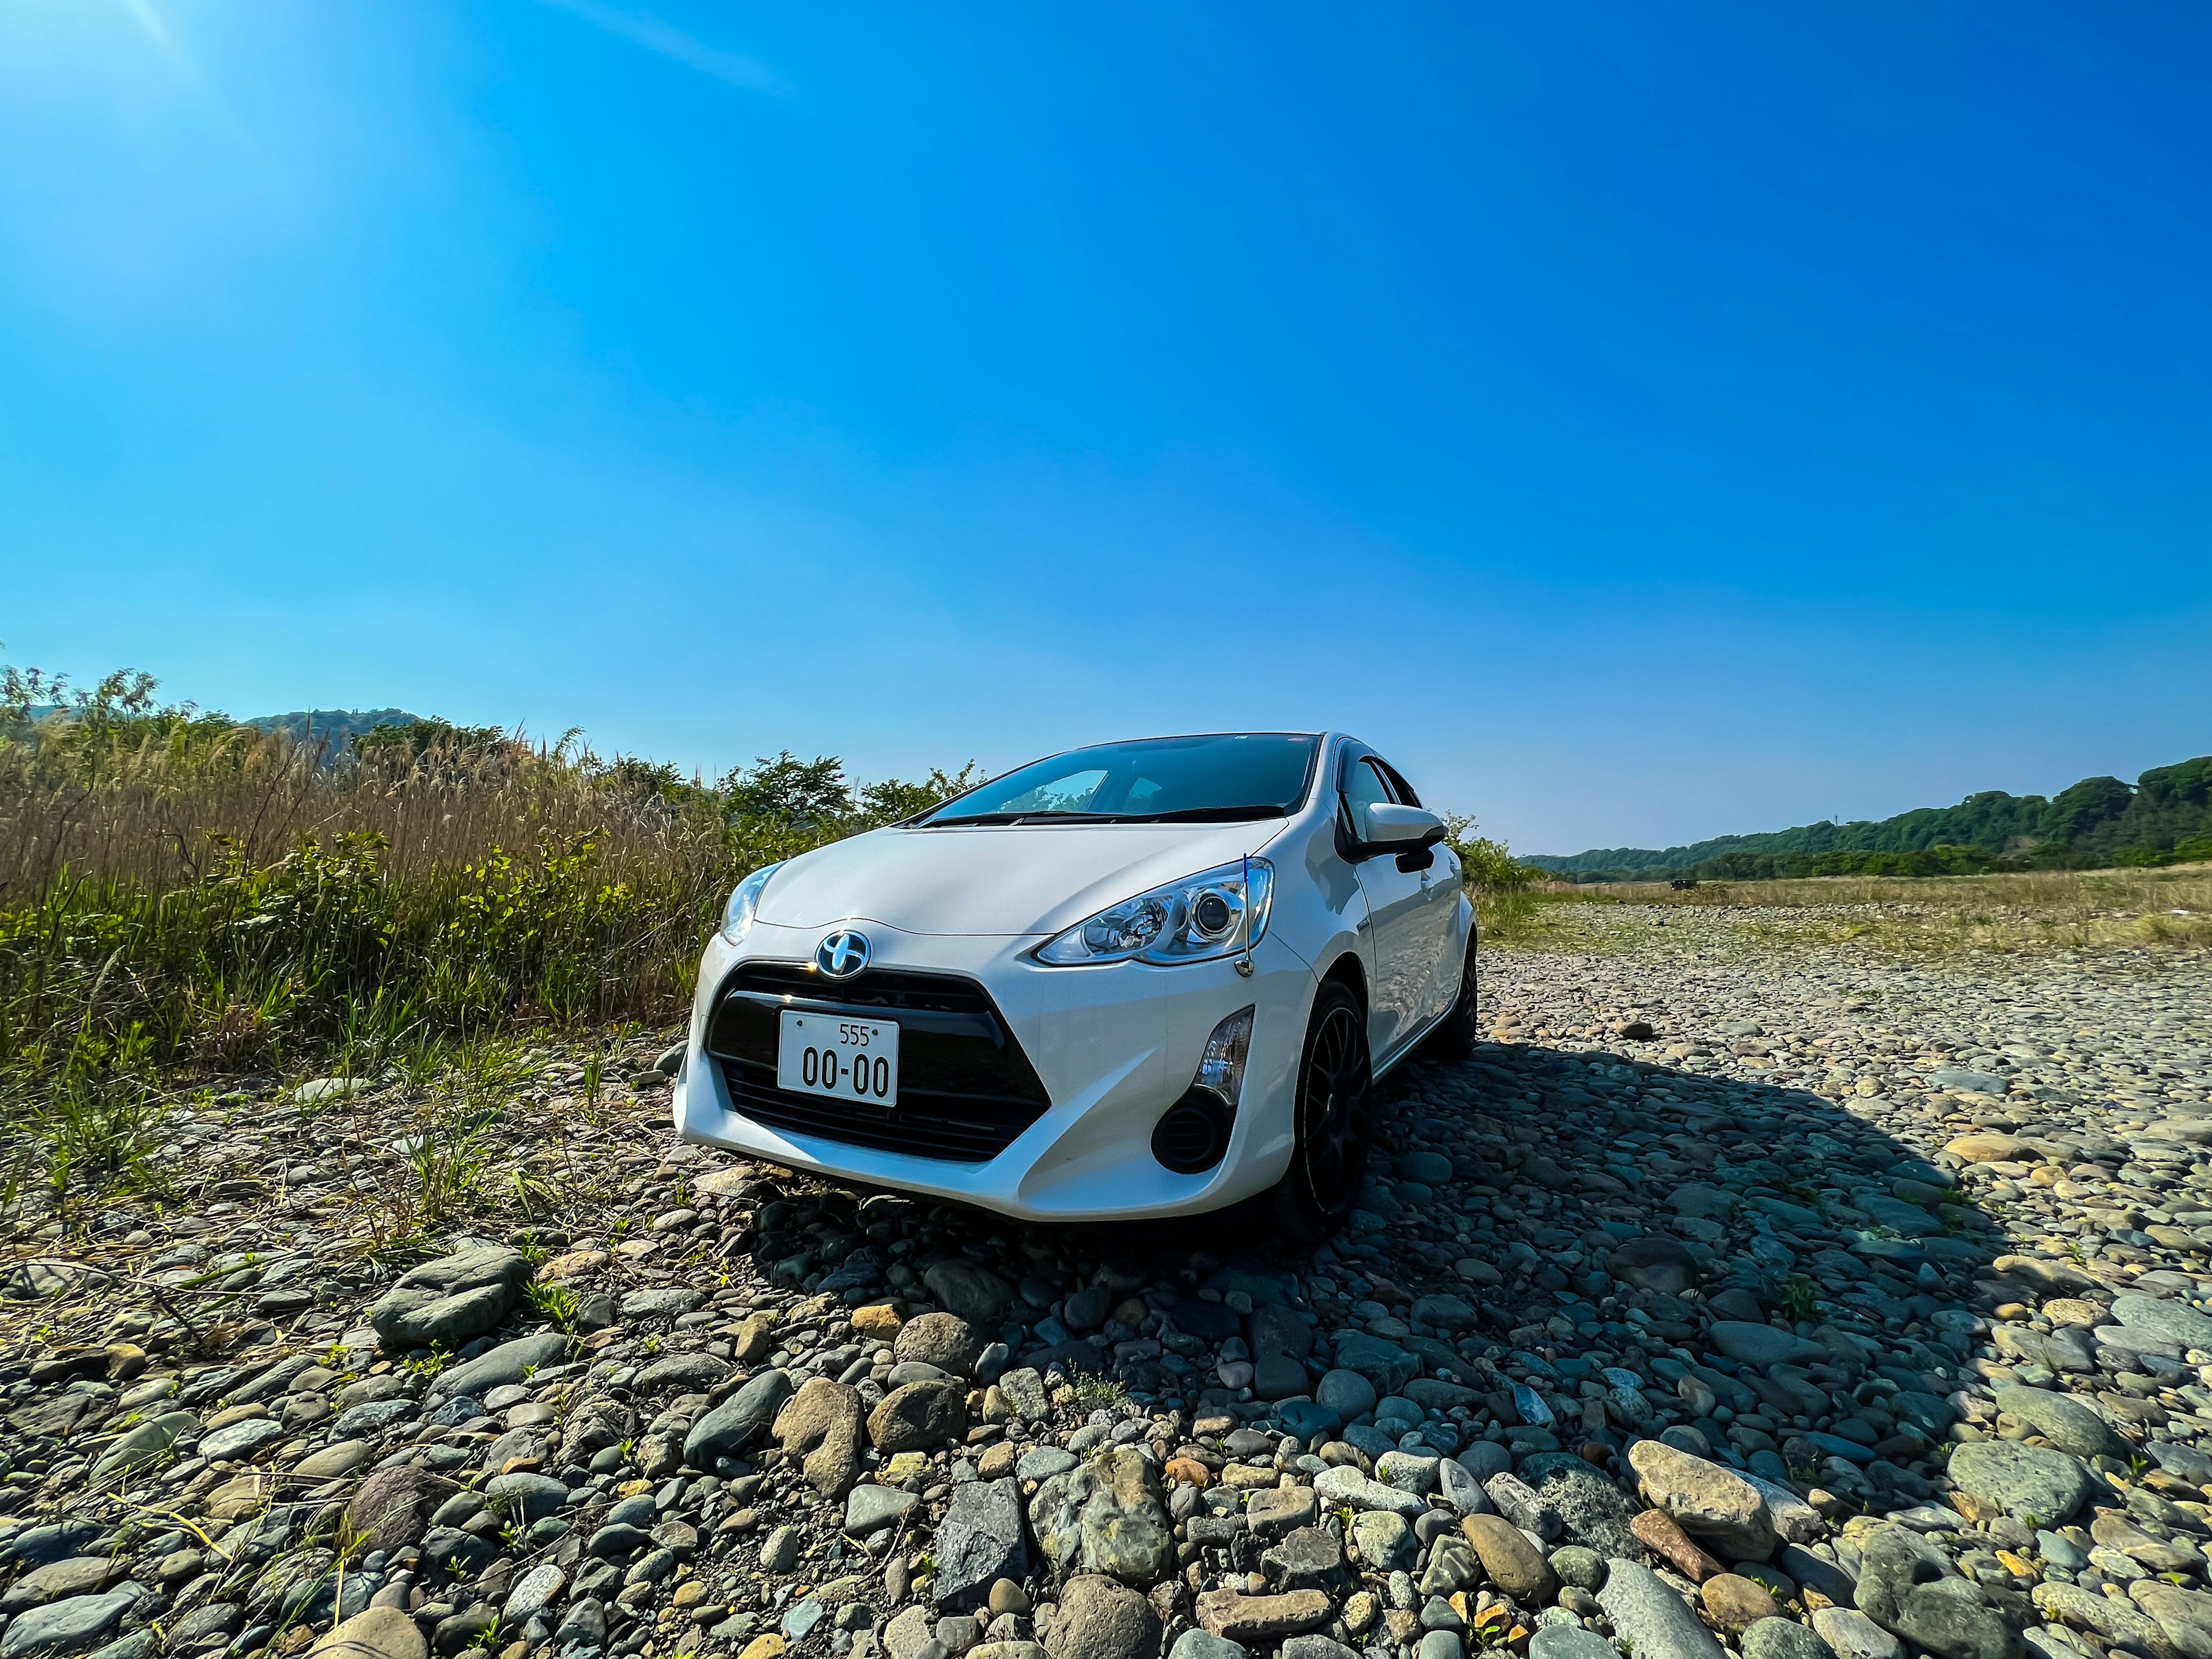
1792,1305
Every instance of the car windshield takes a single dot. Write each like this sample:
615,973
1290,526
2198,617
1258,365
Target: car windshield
1221,778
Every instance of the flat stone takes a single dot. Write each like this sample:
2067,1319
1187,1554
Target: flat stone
1713,1505
871,1508
1100,1619
61,1628
1763,1345
974,1293
2163,1318
1344,1484
450,1301
1509,1558
1106,1516
1735,1603
822,1424
1653,1621
1851,1634
377,1633
980,1542
1569,1642
1782,1638
2069,1424
339,1457
2021,1480
732,1426
1250,1619
510,1362
919,1416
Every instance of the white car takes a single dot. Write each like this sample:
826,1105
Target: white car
1144,979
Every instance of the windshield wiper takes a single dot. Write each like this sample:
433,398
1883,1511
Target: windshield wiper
1203,815
1186,815
1026,817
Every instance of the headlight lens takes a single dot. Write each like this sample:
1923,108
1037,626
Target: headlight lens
1216,913
745,899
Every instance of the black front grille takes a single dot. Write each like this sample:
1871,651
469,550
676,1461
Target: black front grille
966,1089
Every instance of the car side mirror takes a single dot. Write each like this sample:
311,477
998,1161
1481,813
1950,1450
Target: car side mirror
1395,829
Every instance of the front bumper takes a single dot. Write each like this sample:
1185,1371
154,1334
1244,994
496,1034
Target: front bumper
1115,1048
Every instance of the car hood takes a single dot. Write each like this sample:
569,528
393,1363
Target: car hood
1014,879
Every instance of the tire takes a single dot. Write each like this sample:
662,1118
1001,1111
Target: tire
1455,1038
1335,1083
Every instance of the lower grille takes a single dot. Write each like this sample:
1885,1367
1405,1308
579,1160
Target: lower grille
966,1089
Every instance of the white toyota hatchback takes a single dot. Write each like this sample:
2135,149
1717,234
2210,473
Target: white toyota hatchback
1144,979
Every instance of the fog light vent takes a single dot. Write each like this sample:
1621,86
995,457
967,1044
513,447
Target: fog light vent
1192,1136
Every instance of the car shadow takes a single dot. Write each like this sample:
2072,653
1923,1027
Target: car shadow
1799,1292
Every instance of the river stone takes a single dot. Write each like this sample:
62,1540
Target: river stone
1653,1621
973,1292
1277,1330
1569,1642
823,1421
1909,1586
2021,1480
236,1441
1385,1365
979,1541
1763,1345
2067,1423
339,1457
2162,1318
1347,1394
919,1416
1205,1644
1100,1619
379,1633
732,1425
533,1593
1461,1489
1851,1634
1782,1638
66,1627
510,1362
1713,1505
1508,1558
1382,1541
145,1443
943,1339
450,1301
393,1507
1664,1265
871,1508
1344,1484
524,1498
1594,1510
1106,1516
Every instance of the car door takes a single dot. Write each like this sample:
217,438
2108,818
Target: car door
1440,925
1401,956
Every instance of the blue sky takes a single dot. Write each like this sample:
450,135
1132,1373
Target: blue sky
1640,423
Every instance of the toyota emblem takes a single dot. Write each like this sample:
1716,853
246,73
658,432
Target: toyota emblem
842,955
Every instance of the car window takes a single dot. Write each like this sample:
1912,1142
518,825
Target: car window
1071,793
1400,791
1223,776
1363,787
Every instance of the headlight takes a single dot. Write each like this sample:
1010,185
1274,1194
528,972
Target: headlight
1216,913
738,914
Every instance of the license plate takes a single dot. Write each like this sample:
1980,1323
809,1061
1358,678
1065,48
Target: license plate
845,1058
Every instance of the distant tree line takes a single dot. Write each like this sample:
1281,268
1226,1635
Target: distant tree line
2164,817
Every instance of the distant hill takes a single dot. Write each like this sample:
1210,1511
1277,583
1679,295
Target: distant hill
2165,816
338,725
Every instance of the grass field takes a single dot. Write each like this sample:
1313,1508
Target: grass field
2150,911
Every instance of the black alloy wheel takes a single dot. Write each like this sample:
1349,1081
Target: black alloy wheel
1335,1081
